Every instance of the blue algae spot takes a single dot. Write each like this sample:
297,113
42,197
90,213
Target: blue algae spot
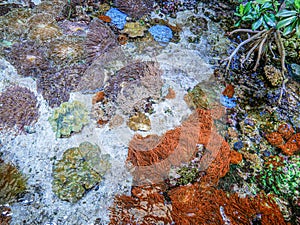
161,33
228,102
117,17
238,145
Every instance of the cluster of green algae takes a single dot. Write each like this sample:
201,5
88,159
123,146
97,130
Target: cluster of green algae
281,177
68,118
80,169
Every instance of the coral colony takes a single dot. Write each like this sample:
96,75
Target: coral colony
86,90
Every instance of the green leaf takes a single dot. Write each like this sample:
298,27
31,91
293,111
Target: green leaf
288,30
298,29
297,4
269,21
257,23
247,8
286,22
286,13
248,18
262,1
267,5
241,9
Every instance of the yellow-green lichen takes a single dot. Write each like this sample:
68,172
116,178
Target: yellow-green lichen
79,170
68,118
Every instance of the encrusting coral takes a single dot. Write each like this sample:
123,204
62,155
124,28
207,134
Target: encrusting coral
140,121
132,89
135,8
134,29
151,157
100,39
12,183
66,50
79,170
43,27
194,205
69,118
56,83
28,58
285,139
19,108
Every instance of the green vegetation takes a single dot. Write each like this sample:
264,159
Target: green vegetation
269,20
271,14
281,177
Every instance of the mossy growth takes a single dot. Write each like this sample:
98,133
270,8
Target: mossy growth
196,98
12,183
187,175
79,170
68,118
281,177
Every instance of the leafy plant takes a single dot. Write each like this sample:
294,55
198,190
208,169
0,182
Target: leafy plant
268,14
289,18
267,18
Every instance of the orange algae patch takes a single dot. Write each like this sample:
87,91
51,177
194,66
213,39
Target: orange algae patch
104,18
192,205
146,206
228,91
292,145
150,159
171,94
98,97
275,138
285,132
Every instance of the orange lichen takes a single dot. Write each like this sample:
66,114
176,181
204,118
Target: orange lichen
105,18
151,157
98,97
228,91
292,145
275,138
171,94
193,205
235,157
286,130
146,206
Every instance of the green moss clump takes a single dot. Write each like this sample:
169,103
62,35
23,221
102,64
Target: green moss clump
68,118
80,169
12,183
281,178
187,175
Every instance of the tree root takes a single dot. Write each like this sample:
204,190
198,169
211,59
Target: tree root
262,41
